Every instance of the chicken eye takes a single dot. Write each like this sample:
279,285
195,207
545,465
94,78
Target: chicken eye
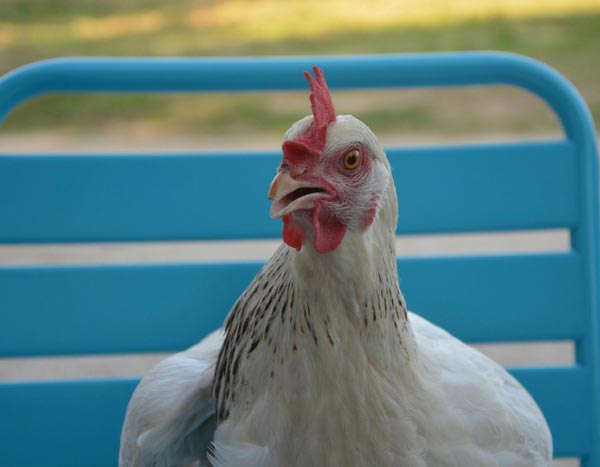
351,159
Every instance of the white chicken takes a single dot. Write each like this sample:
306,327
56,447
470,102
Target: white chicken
320,364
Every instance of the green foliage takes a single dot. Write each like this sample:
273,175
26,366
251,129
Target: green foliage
36,29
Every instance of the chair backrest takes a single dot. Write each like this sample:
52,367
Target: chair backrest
66,310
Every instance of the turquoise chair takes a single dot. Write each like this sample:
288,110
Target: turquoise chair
92,309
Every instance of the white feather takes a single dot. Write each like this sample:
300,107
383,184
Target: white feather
168,420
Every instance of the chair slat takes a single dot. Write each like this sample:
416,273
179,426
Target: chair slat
499,298
63,424
115,309
77,423
183,197
108,309
564,395
486,187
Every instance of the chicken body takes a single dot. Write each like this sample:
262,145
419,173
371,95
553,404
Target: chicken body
321,364
349,385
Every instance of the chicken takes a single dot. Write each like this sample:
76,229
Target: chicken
320,363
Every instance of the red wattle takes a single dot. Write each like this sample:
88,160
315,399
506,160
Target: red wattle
329,230
292,235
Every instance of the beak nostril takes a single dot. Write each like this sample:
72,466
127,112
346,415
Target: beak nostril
297,171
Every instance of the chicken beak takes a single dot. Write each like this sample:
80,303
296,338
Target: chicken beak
289,194
282,184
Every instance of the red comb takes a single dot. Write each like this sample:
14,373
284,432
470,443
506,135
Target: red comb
320,99
313,141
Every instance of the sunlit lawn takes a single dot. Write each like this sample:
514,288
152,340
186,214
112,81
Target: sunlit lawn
565,34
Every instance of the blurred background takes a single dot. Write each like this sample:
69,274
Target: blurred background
563,33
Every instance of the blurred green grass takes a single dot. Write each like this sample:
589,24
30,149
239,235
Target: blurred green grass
565,37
